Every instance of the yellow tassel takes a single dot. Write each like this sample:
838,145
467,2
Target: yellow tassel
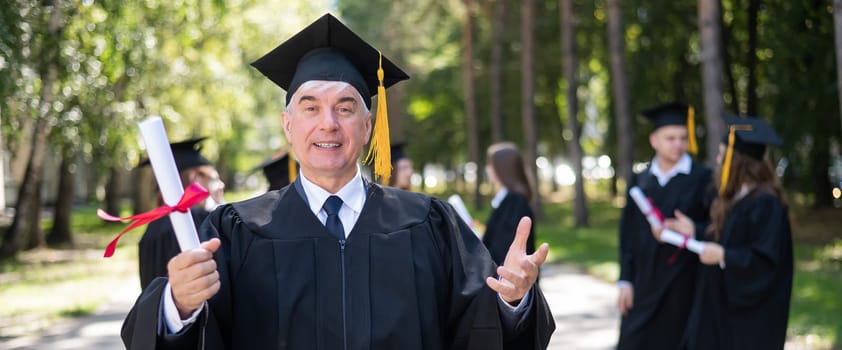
379,152
293,172
729,153
692,146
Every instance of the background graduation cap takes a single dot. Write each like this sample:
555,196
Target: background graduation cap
186,154
675,113
279,169
749,136
398,152
328,50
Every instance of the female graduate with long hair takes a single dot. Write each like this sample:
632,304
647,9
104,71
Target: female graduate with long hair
506,171
745,281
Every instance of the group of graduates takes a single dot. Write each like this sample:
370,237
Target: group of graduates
332,260
327,259
735,293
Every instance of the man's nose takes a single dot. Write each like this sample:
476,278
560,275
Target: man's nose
328,120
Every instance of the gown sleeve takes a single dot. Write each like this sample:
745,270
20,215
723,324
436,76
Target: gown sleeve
627,235
751,269
473,314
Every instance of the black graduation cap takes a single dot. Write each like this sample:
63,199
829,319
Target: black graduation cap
328,50
276,169
751,135
398,152
673,113
186,154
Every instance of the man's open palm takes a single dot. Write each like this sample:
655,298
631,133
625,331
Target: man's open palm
520,270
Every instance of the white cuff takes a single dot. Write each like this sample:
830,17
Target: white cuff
173,321
520,308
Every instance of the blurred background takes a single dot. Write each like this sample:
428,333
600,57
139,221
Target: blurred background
562,79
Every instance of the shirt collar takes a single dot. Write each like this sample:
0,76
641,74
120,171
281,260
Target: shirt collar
498,198
683,166
352,194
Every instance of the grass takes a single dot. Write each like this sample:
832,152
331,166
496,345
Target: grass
816,309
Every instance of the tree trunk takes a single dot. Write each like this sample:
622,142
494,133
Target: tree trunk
751,60
622,111
527,94
837,21
112,191
61,234
497,26
468,86
822,187
725,33
709,14
568,47
2,167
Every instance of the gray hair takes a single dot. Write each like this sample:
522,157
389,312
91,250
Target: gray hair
324,85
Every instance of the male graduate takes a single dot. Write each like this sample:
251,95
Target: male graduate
657,280
158,244
333,261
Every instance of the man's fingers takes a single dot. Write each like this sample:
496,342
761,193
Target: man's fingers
212,245
512,277
540,255
522,234
500,286
680,215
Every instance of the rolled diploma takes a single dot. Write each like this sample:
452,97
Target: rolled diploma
667,235
462,210
169,182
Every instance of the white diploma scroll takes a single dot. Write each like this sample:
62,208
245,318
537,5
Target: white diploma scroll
667,236
462,210
169,182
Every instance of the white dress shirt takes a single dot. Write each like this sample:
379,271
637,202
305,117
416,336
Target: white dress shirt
683,166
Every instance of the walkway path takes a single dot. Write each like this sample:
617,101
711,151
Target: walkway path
582,305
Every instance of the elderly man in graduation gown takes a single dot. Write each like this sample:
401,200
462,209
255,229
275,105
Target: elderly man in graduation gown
657,280
333,261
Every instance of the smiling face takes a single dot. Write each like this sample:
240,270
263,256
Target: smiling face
327,124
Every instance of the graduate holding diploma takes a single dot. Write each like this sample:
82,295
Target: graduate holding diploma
745,279
333,261
657,279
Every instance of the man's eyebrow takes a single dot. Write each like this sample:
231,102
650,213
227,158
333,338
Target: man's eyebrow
347,99
307,98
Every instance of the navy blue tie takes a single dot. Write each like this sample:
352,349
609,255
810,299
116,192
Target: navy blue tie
333,224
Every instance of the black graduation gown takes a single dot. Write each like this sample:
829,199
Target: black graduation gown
158,245
410,276
663,292
746,305
502,223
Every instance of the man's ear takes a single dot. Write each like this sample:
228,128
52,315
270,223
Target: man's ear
368,127
285,122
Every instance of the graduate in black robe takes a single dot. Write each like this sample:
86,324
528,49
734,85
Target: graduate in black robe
506,171
279,169
745,280
283,271
158,244
660,278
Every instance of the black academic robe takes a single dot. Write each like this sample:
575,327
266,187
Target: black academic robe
502,223
746,305
663,292
158,245
411,275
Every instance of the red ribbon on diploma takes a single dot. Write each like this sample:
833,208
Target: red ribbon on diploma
655,210
193,194
674,255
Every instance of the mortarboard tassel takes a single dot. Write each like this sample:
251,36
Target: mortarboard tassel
379,151
729,153
293,172
692,146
